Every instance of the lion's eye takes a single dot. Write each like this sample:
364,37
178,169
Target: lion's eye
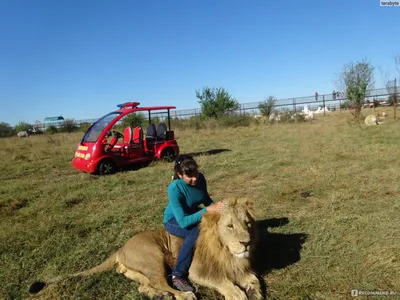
230,226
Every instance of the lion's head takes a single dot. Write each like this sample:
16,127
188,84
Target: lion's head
236,228
226,239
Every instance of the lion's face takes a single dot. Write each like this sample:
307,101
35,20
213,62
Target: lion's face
235,228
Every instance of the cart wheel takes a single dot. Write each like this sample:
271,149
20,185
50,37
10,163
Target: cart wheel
168,155
106,167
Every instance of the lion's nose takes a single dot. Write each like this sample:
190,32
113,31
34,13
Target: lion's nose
246,244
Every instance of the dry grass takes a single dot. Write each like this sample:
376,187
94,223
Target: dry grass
56,221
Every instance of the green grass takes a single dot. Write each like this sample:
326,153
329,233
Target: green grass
57,221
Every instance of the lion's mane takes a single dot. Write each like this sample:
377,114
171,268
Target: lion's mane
216,260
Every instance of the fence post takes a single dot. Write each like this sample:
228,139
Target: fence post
323,101
294,104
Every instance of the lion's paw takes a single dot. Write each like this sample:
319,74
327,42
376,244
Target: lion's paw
253,294
236,294
163,296
253,289
186,296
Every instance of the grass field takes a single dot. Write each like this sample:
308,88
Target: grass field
57,221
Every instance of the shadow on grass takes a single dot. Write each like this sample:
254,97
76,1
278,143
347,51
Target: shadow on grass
275,250
138,166
135,166
208,152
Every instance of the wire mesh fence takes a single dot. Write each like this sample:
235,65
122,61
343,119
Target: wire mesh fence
330,101
333,101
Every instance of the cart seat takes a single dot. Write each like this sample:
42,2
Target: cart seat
151,132
137,135
128,135
161,131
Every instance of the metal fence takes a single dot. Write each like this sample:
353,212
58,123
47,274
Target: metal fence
330,101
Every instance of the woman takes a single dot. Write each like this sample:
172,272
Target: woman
181,217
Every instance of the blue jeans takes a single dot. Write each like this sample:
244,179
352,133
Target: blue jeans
190,236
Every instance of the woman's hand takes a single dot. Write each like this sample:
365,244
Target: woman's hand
216,207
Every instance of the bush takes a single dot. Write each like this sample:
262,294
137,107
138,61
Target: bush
393,99
199,122
69,125
234,121
155,120
345,105
267,107
84,126
6,130
22,126
194,122
51,129
289,116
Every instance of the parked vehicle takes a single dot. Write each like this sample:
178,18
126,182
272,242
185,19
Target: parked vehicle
103,149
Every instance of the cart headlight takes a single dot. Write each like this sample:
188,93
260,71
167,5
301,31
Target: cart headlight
87,156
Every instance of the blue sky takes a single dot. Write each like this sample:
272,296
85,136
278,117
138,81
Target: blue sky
79,59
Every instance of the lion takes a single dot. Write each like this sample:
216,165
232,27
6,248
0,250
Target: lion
221,258
372,120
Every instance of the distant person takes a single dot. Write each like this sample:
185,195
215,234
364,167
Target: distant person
182,215
316,96
334,95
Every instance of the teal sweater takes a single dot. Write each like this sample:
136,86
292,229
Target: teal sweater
184,199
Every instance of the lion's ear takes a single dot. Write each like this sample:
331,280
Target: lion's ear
248,204
244,202
231,201
210,218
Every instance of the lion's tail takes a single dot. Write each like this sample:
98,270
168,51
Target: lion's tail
37,286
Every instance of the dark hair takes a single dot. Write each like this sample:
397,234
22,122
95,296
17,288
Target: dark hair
185,164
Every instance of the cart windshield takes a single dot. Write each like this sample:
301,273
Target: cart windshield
97,128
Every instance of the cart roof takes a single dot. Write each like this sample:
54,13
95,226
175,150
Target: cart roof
134,106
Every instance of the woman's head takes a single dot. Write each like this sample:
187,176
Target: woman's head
186,168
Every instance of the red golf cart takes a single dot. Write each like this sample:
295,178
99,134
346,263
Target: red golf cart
103,149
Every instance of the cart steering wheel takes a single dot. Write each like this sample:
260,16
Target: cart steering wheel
117,134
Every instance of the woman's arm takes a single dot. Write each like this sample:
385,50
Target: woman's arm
184,220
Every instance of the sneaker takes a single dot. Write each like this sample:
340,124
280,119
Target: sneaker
182,284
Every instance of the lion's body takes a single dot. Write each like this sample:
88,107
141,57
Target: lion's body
220,260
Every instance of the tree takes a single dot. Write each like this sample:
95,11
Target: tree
357,79
69,125
6,129
216,102
391,84
267,107
23,126
5,126
133,120
391,88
